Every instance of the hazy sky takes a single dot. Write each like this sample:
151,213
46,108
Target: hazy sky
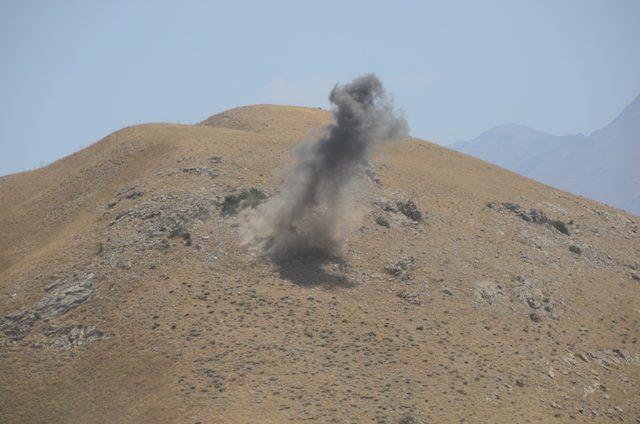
73,71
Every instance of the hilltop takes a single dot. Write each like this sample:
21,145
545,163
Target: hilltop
464,292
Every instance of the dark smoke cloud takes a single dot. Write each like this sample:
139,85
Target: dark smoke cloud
311,212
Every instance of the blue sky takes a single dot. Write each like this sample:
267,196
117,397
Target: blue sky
74,71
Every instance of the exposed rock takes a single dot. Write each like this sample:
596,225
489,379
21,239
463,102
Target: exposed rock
198,170
75,336
533,215
385,204
487,292
411,298
135,194
64,296
409,209
401,268
16,326
373,176
533,303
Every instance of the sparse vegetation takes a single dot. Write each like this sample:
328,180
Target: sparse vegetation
560,226
382,221
183,234
247,199
401,268
575,249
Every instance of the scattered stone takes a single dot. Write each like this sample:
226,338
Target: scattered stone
135,194
200,171
411,298
535,317
385,204
75,336
447,291
408,419
487,292
401,267
533,215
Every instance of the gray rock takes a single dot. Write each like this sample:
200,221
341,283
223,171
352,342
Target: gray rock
200,171
409,209
401,268
487,292
16,326
533,303
64,296
373,176
535,317
385,204
533,215
75,336
16,316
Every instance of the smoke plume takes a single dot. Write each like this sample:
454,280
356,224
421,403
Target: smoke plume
309,214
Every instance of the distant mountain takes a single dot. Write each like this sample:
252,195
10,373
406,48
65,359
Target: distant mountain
604,166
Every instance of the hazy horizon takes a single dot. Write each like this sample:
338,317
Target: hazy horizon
76,71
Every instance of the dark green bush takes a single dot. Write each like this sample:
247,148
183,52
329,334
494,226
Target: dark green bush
575,249
560,226
382,221
247,199
182,233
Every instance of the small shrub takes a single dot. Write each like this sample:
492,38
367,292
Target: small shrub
575,249
183,234
382,221
560,226
247,199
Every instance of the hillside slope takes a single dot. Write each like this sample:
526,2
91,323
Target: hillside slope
602,166
126,296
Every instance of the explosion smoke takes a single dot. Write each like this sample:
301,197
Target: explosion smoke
308,215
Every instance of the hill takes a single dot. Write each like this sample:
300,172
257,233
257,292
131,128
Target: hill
464,293
601,166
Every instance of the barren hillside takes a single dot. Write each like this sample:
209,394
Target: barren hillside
465,293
